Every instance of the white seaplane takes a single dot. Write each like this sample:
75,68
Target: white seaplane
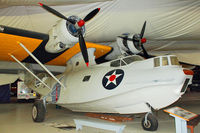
126,85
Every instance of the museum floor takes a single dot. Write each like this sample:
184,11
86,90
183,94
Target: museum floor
16,118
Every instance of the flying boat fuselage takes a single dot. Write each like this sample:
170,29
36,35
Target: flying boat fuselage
126,85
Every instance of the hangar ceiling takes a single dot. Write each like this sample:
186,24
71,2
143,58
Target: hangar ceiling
7,3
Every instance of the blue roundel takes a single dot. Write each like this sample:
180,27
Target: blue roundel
112,79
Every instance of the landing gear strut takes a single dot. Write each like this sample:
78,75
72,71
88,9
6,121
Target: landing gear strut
149,122
38,111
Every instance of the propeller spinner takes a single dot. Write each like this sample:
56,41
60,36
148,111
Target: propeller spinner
76,26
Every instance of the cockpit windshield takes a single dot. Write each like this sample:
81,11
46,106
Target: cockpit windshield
131,59
125,61
115,63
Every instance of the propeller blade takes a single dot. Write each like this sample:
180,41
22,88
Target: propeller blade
125,38
56,13
83,49
146,55
143,29
91,14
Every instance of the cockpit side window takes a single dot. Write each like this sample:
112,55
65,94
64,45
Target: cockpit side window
156,62
165,61
174,60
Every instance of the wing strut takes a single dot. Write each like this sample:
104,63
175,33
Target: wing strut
45,97
50,93
40,64
29,71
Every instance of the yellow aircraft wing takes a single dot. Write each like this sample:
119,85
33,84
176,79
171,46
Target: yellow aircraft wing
35,43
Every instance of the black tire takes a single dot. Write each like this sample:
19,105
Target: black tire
152,123
38,111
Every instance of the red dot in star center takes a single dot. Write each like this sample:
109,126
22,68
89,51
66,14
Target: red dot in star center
112,77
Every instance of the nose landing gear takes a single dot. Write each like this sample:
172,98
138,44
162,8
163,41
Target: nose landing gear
38,111
149,122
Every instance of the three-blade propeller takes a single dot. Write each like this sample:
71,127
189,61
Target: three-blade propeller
80,23
141,40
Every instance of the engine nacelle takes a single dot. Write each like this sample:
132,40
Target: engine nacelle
128,46
62,36
125,45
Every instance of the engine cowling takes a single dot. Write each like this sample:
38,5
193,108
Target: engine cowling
63,35
129,46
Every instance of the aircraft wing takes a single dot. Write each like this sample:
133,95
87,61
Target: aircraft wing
35,43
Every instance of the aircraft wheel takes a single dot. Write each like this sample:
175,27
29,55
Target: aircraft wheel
38,111
151,124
